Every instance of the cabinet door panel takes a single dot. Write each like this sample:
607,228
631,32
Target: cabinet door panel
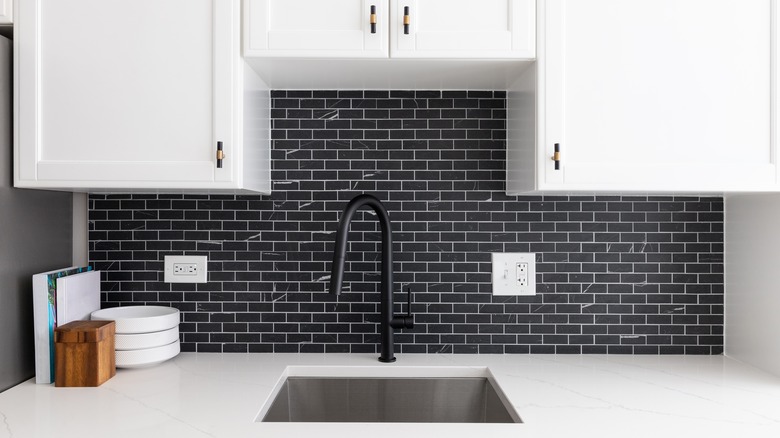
6,11
658,94
301,28
462,29
124,99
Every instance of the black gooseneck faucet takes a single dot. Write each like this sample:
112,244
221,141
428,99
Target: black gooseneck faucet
388,321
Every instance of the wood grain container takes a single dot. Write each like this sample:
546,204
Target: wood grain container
84,353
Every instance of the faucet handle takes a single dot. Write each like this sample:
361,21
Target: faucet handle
408,301
408,318
404,320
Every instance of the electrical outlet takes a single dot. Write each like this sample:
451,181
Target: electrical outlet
522,274
514,273
185,269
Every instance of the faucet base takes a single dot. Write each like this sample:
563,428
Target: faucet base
382,359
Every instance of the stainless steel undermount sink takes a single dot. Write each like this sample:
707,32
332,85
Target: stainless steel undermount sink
367,398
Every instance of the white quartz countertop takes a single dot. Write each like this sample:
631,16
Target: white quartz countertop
219,395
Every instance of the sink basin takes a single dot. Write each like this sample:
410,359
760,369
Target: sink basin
389,399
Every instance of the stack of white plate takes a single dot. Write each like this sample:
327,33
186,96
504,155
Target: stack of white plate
145,335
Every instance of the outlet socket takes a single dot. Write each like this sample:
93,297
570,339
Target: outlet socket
514,273
522,273
186,269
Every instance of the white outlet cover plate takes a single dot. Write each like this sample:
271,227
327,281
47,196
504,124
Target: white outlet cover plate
201,269
504,267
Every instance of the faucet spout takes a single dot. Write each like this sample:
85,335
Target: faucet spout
388,321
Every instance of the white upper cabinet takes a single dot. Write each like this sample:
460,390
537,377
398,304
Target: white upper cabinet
315,28
647,95
455,44
6,11
463,29
130,95
486,29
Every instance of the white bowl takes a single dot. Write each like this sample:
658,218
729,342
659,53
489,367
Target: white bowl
147,356
137,341
139,319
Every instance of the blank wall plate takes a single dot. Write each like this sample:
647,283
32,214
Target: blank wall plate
185,269
514,273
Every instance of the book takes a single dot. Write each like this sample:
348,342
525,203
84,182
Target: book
78,295
45,319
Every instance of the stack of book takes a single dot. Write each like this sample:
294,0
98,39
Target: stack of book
59,297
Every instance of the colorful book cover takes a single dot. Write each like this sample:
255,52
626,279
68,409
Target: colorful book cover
45,319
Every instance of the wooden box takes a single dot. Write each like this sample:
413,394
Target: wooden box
84,353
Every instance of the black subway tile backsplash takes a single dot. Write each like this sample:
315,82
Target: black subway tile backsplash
615,274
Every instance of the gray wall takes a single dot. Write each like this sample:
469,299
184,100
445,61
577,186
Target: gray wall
35,236
753,292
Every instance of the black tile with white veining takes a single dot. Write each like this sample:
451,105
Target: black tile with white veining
615,274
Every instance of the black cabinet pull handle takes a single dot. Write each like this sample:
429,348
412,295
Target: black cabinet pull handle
372,19
557,156
407,20
220,155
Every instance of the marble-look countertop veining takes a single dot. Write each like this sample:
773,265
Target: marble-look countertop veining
219,395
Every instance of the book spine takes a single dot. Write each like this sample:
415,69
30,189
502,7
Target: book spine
41,329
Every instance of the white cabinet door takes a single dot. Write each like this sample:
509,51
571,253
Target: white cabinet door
463,29
127,94
315,28
656,95
6,11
